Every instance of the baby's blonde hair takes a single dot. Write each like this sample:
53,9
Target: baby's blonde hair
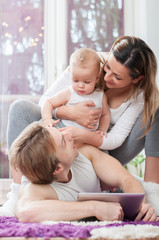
82,56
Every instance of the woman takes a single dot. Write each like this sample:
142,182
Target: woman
130,76
130,72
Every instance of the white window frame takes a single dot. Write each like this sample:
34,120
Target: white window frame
55,45
134,18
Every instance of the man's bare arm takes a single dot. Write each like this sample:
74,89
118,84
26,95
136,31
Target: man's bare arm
110,170
39,203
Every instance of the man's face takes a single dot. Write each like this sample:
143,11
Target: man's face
66,150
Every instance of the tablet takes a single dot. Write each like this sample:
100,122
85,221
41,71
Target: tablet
130,202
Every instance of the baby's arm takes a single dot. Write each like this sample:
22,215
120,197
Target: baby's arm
105,117
51,103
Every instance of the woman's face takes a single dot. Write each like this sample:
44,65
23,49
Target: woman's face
116,74
66,150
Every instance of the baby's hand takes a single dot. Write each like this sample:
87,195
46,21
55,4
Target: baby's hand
50,122
102,133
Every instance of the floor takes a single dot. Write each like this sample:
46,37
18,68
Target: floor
4,189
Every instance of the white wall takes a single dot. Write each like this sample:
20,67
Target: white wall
142,20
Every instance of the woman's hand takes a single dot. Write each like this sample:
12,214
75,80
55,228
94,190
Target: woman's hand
146,214
80,135
75,132
102,133
82,113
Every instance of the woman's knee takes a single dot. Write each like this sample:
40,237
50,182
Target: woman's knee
152,138
19,105
25,108
21,114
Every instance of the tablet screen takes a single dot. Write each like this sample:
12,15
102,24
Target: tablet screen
130,202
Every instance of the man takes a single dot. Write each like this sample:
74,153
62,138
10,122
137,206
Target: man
48,158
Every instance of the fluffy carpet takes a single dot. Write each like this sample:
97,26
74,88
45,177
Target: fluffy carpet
11,227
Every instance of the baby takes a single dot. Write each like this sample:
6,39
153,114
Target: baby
86,86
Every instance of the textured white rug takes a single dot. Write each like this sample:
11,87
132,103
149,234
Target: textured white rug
117,229
126,232
10,227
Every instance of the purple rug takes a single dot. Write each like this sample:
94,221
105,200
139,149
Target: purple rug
11,227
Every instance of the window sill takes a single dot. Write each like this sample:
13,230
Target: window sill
12,98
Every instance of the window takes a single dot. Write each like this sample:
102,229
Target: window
21,57
94,24
69,24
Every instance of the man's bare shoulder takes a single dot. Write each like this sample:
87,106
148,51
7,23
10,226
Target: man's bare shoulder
88,151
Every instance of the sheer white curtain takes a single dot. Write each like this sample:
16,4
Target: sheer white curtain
21,58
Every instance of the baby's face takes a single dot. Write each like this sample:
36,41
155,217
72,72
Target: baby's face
83,79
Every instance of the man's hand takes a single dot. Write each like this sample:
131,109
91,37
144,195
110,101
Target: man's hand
106,211
146,214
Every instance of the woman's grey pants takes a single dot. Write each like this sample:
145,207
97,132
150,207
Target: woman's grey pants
23,112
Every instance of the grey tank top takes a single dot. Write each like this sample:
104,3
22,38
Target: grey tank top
84,179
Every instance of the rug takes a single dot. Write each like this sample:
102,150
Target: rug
11,227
